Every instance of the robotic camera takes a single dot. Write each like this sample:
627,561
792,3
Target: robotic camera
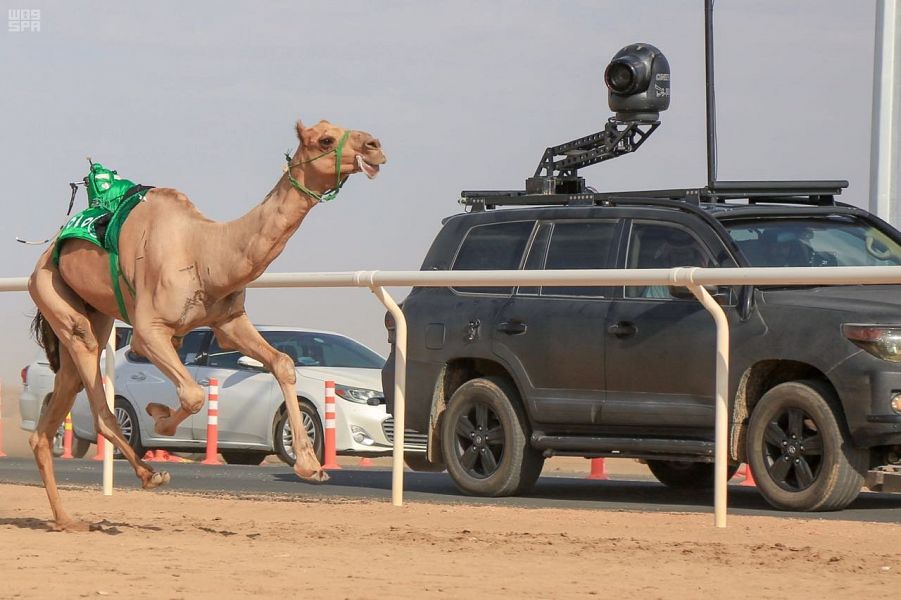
638,83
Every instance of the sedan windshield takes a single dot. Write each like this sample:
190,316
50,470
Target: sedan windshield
323,350
819,242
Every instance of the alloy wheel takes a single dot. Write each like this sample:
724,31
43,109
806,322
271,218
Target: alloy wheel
479,440
288,434
792,449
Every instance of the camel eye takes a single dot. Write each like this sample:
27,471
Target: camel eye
326,142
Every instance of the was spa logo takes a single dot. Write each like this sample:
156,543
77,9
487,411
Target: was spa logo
24,20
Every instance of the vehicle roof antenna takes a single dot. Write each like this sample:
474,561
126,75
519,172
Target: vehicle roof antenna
711,95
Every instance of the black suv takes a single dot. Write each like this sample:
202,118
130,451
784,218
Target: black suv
500,378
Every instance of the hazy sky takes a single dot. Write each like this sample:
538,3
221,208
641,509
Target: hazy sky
202,96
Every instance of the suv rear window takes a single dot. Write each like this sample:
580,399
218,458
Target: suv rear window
579,245
497,246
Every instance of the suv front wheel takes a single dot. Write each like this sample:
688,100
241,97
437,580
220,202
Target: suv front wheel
485,440
800,455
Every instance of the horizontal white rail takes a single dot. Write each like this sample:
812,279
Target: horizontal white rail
693,278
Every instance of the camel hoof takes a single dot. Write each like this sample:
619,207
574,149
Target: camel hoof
161,414
315,476
73,526
156,480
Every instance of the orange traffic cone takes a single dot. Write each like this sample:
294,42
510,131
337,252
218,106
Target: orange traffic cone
745,470
597,470
366,462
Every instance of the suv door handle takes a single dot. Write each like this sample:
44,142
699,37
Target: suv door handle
204,382
513,327
623,329
138,377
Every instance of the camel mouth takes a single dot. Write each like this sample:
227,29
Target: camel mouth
369,169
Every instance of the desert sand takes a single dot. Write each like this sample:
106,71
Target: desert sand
164,545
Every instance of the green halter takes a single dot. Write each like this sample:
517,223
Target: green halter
327,195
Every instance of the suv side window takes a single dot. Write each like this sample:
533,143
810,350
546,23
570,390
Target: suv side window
496,246
658,246
579,245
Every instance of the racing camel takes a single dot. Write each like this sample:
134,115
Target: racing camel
178,270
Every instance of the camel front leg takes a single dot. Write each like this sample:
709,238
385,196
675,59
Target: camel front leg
156,346
240,334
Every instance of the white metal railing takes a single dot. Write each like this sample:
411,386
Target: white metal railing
694,278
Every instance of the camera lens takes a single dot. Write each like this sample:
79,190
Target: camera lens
620,78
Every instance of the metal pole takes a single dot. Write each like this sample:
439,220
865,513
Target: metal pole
400,388
721,418
109,389
711,100
885,143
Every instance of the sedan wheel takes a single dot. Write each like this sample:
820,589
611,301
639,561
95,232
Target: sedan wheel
128,425
284,436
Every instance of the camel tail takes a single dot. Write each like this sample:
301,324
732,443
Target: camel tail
46,339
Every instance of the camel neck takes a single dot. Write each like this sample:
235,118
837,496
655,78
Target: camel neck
258,237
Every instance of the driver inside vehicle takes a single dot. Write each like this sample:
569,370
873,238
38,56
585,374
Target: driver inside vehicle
677,249
786,249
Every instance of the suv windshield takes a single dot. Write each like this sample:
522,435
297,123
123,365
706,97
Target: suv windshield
823,242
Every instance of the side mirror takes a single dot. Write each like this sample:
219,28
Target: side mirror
250,363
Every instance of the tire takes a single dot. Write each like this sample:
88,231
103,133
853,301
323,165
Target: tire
683,474
283,435
129,426
419,462
243,457
500,462
56,444
799,451
80,448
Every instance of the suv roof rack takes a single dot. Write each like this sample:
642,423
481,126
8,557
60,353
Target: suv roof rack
814,192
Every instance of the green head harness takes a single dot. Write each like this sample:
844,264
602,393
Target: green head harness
329,194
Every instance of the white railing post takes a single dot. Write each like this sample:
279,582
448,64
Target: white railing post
400,388
110,391
721,415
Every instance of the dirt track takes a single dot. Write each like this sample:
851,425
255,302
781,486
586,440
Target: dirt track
166,545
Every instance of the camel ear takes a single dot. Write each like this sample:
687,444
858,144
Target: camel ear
300,130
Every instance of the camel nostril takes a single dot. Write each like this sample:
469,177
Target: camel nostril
373,144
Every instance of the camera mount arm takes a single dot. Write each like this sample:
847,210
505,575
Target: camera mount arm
557,173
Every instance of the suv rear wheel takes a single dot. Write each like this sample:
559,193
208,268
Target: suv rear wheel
682,474
485,440
800,455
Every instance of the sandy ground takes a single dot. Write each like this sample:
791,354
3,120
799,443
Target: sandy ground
167,545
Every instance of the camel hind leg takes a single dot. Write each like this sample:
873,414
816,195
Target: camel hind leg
66,385
77,334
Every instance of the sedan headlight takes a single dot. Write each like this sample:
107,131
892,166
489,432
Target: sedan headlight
882,341
358,395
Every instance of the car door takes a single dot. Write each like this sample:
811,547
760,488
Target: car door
145,383
245,417
553,337
660,359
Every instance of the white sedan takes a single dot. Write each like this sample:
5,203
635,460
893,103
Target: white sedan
252,414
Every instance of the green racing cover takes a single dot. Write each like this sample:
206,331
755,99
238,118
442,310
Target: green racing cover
110,201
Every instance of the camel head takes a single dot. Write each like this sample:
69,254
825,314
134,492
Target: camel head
317,159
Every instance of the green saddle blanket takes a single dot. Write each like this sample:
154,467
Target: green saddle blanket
111,199
99,225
